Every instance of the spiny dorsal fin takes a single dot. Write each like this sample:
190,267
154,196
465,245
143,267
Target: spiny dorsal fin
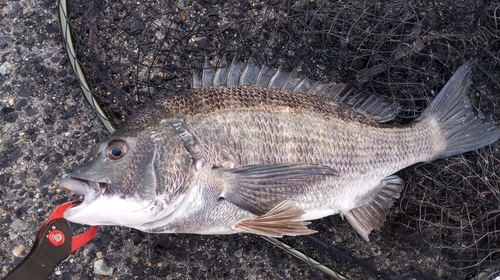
373,214
220,77
259,188
207,76
251,74
281,220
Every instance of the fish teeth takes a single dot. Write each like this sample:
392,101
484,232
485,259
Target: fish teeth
95,186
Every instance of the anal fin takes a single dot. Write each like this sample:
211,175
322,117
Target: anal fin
281,220
372,215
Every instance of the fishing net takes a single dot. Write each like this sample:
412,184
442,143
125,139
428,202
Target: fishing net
446,225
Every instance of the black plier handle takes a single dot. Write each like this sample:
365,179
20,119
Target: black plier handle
54,243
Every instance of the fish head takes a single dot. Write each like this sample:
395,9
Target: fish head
124,181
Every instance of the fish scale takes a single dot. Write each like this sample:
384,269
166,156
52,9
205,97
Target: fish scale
325,143
260,150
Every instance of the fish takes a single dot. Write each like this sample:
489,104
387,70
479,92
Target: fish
260,150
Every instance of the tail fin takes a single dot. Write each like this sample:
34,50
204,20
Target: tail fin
463,130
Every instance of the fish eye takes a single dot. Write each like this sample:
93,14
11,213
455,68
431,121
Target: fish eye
117,149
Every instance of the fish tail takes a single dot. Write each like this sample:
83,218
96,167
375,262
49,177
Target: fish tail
463,130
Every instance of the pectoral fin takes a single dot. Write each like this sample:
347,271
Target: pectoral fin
281,220
259,188
373,214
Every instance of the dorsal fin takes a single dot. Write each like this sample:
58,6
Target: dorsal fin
220,77
251,74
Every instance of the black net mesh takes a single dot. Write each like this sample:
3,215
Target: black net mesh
447,223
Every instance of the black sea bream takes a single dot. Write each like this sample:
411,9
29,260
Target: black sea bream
259,150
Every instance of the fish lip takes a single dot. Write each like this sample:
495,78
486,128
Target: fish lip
83,187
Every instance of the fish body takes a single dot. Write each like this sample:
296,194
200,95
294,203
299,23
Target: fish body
259,150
